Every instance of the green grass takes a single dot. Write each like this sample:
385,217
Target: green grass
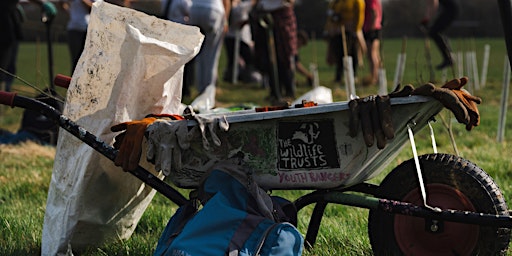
25,170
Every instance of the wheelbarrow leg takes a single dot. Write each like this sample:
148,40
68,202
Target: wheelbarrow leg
314,224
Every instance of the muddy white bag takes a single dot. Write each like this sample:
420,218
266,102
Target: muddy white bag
132,65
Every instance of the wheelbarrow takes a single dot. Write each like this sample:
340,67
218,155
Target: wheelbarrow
435,203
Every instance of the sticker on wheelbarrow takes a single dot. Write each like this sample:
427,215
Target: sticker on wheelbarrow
307,145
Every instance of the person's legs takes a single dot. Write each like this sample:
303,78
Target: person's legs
229,45
352,44
76,44
211,24
285,34
443,46
443,21
287,77
336,51
247,54
375,58
188,77
373,46
7,51
262,48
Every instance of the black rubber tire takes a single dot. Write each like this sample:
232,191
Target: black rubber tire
445,171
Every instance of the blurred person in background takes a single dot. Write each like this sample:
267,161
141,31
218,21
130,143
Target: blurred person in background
211,16
176,10
11,67
34,125
372,30
302,40
447,11
123,3
277,18
179,11
347,14
239,23
79,12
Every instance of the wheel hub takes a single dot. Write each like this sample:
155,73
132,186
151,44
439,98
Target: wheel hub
419,236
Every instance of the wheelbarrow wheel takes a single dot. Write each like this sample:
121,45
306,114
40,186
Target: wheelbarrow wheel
451,183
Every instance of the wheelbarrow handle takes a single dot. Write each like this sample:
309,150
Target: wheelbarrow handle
7,98
62,80
13,100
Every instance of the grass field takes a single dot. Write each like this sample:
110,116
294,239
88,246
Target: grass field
25,170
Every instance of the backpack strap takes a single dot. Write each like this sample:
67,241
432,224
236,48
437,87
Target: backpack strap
243,232
186,212
284,210
264,238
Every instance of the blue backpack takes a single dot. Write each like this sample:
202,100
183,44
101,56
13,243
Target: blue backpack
235,219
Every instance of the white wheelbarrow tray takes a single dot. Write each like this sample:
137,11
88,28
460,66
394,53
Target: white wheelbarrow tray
302,148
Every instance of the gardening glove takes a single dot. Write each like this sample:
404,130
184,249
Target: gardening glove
373,113
469,101
129,142
167,116
401,92
213,125
166,141
447,98
49,11
457,100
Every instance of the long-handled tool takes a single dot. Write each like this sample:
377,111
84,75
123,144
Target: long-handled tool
48,24
268,24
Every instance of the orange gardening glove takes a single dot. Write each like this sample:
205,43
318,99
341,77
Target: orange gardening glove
170,116
453,97
447,97
468,100
129,142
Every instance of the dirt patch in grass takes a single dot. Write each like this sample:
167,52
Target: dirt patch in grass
28,149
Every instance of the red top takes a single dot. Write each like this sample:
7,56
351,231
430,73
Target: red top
372,15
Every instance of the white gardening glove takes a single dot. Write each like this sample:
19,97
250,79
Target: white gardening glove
166,141
213,124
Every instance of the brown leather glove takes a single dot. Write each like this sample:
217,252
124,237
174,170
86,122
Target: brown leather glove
469,101
457,100
401,92
374,115
129,142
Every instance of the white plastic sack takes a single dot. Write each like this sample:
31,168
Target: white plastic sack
132,65
320,95
206,100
